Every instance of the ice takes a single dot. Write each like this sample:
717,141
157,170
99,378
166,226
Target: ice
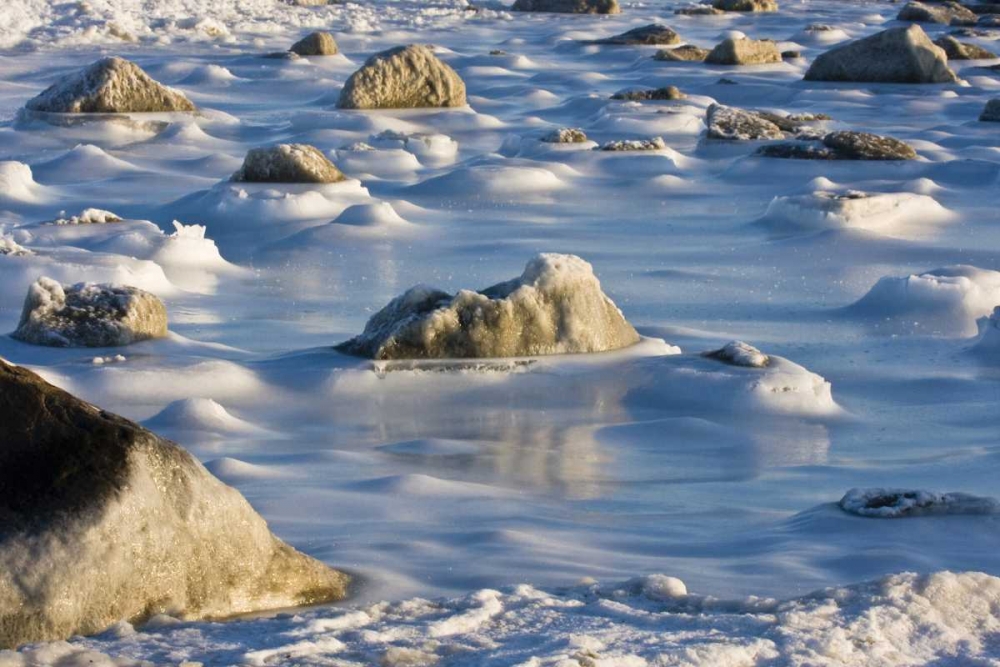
895,503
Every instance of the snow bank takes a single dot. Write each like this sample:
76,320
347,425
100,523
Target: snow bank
200,414
896,213
17,184
895,503
942,302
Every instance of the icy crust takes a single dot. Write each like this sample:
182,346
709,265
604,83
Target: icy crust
896,212
895,503
89,315
555,307
105,521
110,85
900,620
943,302
287,163
402,78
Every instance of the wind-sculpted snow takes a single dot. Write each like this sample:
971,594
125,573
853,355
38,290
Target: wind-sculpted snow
900,620
104,521
555,307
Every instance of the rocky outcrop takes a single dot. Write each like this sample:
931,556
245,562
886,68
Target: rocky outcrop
732,124
843,145
688,53
315,44
744,52
404,77
568,6
897,55
565,135
110,85
991,113
957,50
647,35
947,13
89,315
650,95
102,520
746,5
287,163
555,307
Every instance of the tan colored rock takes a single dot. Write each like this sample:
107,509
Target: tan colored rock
287,163
957,50
402,78
647,35
896,55
947,13
315,44
744,52
746,5
686,53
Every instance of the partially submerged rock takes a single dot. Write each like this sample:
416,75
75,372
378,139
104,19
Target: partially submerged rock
651,94
568,6
897,503
110,85
732,124
957,50
843,145
744,52
89,315
555,307
315,44
896,55
653,144
991,113
698,10
651,34
104,521
947,13
738,353
746,5
88,216
404,77
287,163
565,135
688,53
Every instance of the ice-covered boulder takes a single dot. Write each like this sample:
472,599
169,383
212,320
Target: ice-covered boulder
110,85
650,94
565,135
885,212
957,50
402,78
689,53
746,5
653,144
843,145
897,503
896,55
948,13
651,34
555,307
744,52
738,353
287,163
11,248
991,113
89,315
104,521
568,6
732,124
318,43
88,216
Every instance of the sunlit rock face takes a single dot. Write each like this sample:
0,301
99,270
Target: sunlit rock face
102,520
555,307
404,77
110,85
89,315
287,163
897,55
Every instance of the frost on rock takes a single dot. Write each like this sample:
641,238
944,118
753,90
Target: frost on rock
89,315
404,77
948,13
957,50
315,44
110,85
744,52
650,94
842,145
287,163
555,307
568,6
687,53
738,353
746,5
105,521
11,248
896,55
732,124
896,503
565,135
654,144
651,34
88,216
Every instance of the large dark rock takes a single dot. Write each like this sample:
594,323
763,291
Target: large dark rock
957,50
650,95
102,520
646,35
896,55
568,6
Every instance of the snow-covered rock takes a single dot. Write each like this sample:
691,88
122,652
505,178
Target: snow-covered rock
744,52
732,124
896,55
842,145
104,521
738,353
88,216
895,503
650,94
653,144
895,212
318,43
287,163
565,135
110,85
11,248
555,307
89,315
402,78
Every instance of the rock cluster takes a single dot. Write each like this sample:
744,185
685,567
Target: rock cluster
843,145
